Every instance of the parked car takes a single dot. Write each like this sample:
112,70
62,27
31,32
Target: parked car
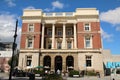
19,73
115,74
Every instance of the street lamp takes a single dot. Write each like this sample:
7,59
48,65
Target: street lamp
13,50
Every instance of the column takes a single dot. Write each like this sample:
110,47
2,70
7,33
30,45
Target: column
64,64
64,36
52,63
75,42
42,41
53,35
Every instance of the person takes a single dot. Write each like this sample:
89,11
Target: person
98,74
58,71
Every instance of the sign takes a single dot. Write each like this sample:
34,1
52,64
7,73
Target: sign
112,64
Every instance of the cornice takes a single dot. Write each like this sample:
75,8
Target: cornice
78,51
86,16
31,33
31,17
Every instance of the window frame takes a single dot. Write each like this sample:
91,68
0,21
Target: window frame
69,31
87,28
49,31
88,60
59,45
69,44
90,42
27,43
28,60
59,32
31,27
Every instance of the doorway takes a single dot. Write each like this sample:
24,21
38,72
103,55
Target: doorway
58,63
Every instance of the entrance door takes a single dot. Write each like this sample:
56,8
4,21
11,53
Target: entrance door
70,63
58,63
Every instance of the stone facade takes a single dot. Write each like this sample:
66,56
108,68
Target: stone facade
66,40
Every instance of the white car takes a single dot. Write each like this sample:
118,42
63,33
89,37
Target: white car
115,74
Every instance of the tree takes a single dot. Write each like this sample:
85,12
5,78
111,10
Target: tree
15,61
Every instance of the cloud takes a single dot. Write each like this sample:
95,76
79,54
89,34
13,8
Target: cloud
112,17
118,28
10,3
30,7
55,4
7,28
106,36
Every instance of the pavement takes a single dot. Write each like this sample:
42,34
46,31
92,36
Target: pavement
5,76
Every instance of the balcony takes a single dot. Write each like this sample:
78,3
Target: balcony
57,14
58,36
69,36
49,36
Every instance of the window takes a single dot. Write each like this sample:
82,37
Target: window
49,44
28,60
88,61
69,44
87,27
30,43
69,31
49,31
31,28
59,31
87,42
59,45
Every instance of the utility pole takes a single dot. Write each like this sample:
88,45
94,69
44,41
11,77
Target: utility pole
13,50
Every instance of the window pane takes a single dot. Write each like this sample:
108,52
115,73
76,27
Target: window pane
59,32
59,45
88,63
49,46
69,45
87,41
31,28
29,60
29,43
87,27
49,32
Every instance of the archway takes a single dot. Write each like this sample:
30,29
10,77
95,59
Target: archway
58,63
47,62
70,62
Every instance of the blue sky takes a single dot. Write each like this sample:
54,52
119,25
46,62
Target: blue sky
109,11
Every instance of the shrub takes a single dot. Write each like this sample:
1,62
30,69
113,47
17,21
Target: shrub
91,73
38,72
53,77
73,72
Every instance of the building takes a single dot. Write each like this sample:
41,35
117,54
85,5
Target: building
5,55
61,40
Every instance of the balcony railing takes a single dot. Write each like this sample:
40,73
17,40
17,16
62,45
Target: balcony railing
58,14
48,35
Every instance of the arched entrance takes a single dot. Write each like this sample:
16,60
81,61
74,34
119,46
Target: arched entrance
47,62
58,63
70,62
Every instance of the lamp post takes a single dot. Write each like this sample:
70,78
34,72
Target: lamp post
13,50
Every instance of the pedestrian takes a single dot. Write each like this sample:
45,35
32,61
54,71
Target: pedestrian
58,71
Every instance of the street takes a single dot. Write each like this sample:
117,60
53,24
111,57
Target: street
5,76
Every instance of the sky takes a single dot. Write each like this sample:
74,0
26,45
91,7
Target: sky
109,11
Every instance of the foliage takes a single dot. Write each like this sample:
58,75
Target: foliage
38,71
53,77
15,61
73,72
91,73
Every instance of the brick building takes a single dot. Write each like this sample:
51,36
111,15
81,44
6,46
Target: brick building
61,40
